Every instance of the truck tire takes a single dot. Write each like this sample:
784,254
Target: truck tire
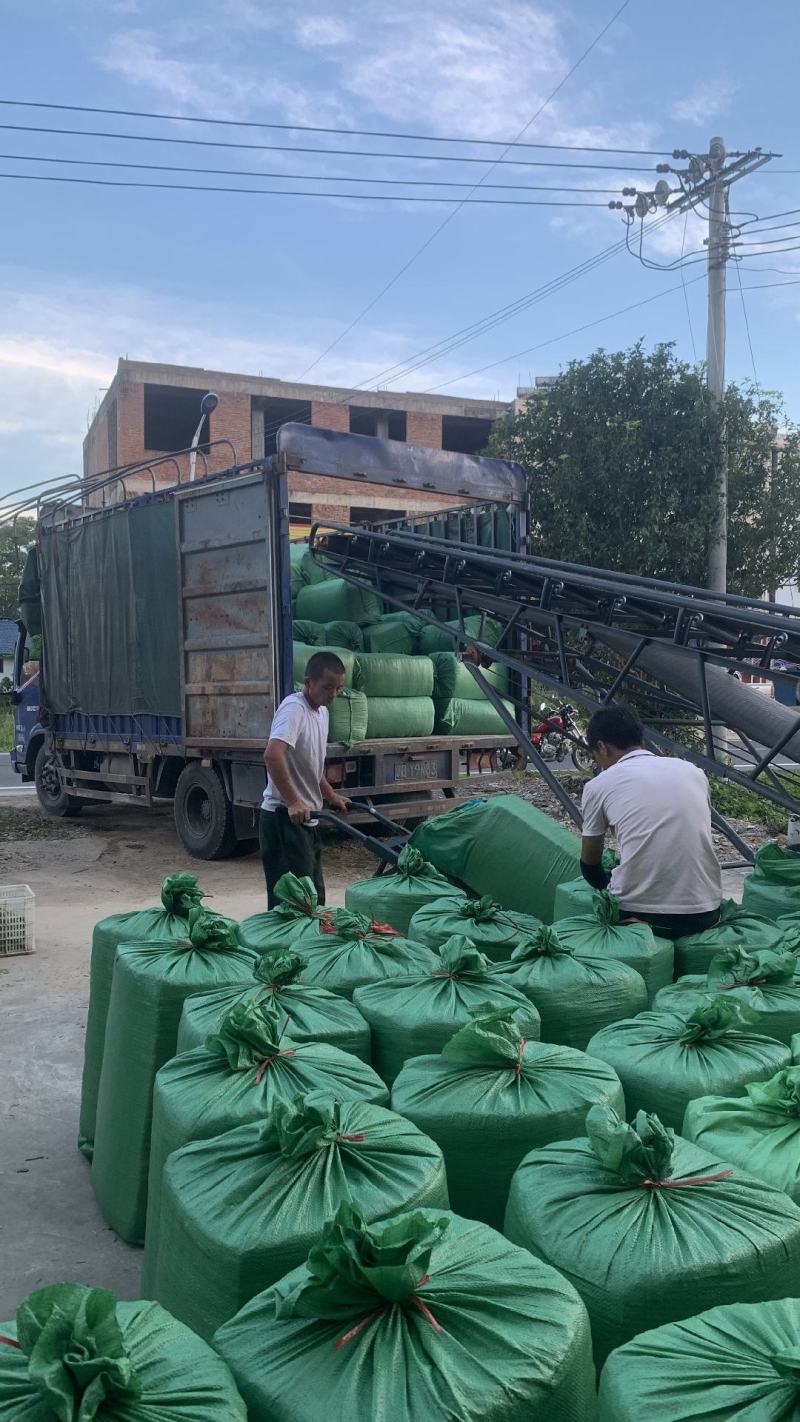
203,813
53,800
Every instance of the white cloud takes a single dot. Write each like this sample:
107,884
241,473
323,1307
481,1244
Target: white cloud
705,101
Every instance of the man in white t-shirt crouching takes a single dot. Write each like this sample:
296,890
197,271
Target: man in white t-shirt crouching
296,785
659,809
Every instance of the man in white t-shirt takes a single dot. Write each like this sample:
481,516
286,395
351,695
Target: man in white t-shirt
296,785
659,809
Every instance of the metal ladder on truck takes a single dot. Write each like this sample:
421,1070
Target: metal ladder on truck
590,636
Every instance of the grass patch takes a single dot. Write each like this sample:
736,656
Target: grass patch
6,727
736,803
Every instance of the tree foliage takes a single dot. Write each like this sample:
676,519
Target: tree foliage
15,540
620,459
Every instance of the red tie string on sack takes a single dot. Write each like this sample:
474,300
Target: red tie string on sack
12,1342
326,923
274,1056
682,1184
522,1046
350,1138
452,976
413,1299
385,928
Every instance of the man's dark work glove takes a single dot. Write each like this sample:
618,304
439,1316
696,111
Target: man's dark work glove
596,875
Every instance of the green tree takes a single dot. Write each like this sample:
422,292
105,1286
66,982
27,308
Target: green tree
620,466
15,540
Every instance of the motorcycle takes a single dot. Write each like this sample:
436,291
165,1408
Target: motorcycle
559,734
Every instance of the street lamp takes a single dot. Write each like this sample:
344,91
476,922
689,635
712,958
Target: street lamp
208,403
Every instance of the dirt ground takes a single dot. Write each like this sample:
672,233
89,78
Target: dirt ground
107,861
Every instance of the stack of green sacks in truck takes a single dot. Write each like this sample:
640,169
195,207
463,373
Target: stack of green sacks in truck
399,692
328,634
348,712
462,708
482,628
336,600
397,632
242,1209
766,982
424,1317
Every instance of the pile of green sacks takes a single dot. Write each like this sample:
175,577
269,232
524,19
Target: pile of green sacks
426,1315
298,920
766,982
364,951
758,1132
396,896
737,927
462,708
649,1228
489,927
399,693
493,1093
599,934
772,888
74,1354
243,1209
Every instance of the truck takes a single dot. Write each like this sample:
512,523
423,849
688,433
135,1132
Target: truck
165,621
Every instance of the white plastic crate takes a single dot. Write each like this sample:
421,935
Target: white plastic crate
16,919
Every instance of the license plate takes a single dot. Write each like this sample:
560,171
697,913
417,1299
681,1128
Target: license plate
417,770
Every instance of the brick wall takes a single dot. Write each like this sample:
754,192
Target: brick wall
328,416
424,429
95,448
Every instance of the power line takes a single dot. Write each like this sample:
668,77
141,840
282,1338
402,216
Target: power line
291,177
685,293
338,152
345,132
747,327
293,192
423,247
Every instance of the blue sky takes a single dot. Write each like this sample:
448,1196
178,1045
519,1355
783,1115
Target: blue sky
264,284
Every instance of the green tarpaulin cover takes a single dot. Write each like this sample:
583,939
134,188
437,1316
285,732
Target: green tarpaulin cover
758,1132
451,680
151,984
739,1362
505,847
773,887
665,1059
349,718
765,982
240,1211
599,934
649,1228
30,594
338,601
574,996
425,1318
363,951
470,718
494,1093
736,929
301,654
180,893
484,629
83,1357
315,1015
395,897
245,1067
295,922
412,1015
492,929
385,674
399,717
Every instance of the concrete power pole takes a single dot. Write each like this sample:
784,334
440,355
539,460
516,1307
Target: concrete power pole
718,253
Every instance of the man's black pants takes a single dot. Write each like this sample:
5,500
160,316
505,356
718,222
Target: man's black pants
673,925
288,849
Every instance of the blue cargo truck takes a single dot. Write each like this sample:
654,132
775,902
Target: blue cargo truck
165,622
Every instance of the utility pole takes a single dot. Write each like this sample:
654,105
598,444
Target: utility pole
708,179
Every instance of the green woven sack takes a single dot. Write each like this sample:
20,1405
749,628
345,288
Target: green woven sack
394,676
574,996
301,655
311,634
338,601
599,934
492,929
395,897
575,898
739,1361
240,1211
494,1093
343,634
396,634
505,847
427,1317
349,718
773,887
736,929
315,1015
412,1015
296,921
399,717
151,983
482,628
765,982
758,1132
470,718
296,551
665,1059
179,894
74,1354
452,680
245,1067
649,1228
312,573
364,951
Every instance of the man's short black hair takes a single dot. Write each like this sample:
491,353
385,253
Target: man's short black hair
321,662
616,725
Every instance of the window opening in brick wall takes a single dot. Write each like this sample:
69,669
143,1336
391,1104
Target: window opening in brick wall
280,412
387,424
171,416
363,515
465,434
